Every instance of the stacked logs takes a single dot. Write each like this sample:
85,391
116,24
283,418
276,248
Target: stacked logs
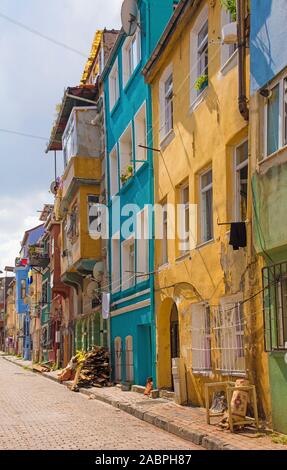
95,369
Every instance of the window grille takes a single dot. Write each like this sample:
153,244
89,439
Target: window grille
129,356
275,307
200,338
228,328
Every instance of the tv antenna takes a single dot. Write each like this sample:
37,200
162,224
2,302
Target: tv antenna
129,15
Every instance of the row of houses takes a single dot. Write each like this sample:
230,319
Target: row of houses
167,237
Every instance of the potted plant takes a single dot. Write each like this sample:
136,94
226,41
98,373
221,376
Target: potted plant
126,176
230,6
201,82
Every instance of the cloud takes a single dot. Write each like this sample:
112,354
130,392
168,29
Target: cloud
34,74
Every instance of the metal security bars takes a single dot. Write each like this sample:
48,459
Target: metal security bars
228,329
200,338
274,280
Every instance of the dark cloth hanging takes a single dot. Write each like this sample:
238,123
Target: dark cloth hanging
238,235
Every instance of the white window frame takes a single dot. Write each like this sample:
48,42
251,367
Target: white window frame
140,134
116,263
162,102
124,158
142,244
203,190
128,278
182,221
200,21
129,359
129,66
201,338
114,171
114,85
282,127
229,336
237,168
227,50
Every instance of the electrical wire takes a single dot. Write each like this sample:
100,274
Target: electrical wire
41,35
23,134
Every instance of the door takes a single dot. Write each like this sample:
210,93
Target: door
174,337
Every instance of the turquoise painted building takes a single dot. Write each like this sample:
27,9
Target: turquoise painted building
130,190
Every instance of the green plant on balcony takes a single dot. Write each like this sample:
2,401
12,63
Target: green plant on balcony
201,82
230,6
127,175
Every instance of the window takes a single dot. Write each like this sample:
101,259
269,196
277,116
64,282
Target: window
227,50
142,245
114,88
241,181
118,358
184,219
202,54
131,55
206,207
52,246
200,337
116,281
23,288
126,154
128,263
199,56
114,172
276,118
229,337
166,102
69,141
94,216
164,242
129,356
72,225
45,293
275,306
140,135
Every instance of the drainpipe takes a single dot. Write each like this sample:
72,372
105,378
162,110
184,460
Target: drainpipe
242,98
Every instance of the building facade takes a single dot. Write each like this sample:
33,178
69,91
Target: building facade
130,182
268,140
202,281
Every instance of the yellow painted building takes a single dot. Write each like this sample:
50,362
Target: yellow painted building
201,161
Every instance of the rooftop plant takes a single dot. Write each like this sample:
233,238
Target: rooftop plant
230,6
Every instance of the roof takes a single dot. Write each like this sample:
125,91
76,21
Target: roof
93,54
177,17
88,92
31,237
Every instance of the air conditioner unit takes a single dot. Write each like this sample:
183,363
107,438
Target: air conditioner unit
229,33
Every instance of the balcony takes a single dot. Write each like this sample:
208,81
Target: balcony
37,257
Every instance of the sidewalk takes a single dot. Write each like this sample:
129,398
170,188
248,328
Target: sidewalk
186,422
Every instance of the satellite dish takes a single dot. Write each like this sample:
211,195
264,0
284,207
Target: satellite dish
54,187
129,15
92,289
98,271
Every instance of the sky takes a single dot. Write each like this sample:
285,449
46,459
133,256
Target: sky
33,75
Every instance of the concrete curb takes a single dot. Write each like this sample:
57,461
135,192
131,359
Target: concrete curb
208,442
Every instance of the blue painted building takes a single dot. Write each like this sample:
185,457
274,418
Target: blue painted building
130,181
31,237
268,146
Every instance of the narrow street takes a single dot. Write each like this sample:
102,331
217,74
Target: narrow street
39,414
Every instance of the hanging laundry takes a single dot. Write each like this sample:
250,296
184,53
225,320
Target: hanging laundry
238,235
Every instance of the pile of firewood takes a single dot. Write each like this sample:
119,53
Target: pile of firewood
94,369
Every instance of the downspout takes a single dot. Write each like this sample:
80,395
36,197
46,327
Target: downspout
242,98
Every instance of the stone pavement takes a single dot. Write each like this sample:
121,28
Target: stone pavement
186,422
38,414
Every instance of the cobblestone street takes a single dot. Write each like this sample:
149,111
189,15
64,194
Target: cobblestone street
37,413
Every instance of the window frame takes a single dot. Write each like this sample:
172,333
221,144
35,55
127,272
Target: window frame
167,74
128,280
114,154
206,358
195,95
114,85
203,190
237,168
282,117
185,185
164,241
